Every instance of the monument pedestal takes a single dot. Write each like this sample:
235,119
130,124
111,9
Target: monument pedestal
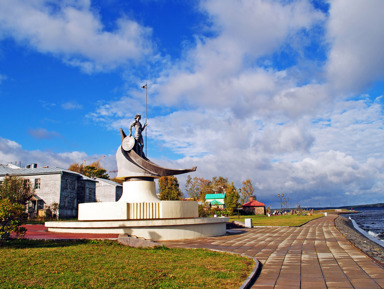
140,213
156,230
109,211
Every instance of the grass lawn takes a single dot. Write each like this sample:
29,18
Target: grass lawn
107,264
282,220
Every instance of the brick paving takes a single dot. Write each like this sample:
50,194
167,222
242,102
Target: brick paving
40,232
315,255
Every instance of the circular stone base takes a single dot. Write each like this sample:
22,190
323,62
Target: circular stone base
156,230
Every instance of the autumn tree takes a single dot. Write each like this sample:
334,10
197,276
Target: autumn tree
218,185
197,188
78,168
246,191
231,198
94,170
169,188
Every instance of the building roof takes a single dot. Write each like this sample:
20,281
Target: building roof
254,203
7,170
109,182
214,196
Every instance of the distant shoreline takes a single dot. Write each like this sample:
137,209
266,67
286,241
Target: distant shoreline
369,247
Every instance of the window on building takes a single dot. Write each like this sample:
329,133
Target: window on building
37,183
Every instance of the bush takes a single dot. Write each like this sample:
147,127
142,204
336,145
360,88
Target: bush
203,212
12,216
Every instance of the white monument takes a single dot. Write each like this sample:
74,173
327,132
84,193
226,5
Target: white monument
139,212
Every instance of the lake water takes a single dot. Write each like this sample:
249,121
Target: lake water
371,220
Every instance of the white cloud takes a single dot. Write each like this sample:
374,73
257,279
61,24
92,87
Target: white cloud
71,105
257,27
42,133
353,127
11,152
355,33
73,31
221,71
118,113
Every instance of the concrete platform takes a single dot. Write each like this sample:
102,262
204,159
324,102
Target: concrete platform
156,230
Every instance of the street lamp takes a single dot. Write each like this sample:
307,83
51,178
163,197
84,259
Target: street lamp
281,201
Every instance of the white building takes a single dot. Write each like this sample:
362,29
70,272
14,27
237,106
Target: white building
55,185
108,191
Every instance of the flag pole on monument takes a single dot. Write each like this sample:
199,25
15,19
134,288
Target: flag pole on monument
146,117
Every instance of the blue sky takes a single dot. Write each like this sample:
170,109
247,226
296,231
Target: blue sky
285,93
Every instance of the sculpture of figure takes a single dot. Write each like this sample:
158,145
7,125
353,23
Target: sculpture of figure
139,143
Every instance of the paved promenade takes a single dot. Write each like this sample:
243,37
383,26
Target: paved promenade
315,255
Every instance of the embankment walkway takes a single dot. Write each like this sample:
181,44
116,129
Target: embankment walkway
315,255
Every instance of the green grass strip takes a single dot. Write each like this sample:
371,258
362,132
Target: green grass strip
281,220
107,264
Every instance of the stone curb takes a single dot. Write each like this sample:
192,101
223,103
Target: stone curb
255,271
253,275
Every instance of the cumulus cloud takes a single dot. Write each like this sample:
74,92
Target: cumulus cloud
222,71
73,31
330,178
13,152
356,37
333,175
354,127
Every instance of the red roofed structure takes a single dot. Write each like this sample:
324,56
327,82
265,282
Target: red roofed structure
254,207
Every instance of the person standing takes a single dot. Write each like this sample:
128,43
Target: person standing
139,143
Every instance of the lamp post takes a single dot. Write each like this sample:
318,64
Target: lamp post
281,201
